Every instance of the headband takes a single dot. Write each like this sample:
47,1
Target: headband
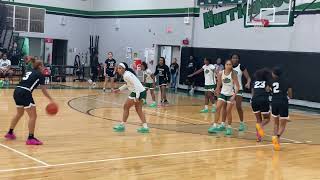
122,65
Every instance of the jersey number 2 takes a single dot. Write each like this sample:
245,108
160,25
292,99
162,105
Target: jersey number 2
276,87
26,76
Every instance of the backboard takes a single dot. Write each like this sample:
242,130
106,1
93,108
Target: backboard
279,13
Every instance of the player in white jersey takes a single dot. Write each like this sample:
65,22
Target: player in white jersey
149,82
136,97
210,84
227,88
240,70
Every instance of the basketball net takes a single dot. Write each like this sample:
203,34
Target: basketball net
260,23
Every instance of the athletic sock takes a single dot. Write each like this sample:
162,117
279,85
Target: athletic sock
144,125
123,123
229,126
10,131
31,136
222,124
214,125
206,107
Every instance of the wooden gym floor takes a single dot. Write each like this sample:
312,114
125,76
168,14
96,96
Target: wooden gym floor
79,142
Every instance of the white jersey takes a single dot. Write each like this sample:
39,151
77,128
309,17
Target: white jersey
209,74
147,76
239,74
132,83
227,84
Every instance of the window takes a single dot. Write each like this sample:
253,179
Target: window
21,19
37,20
26,19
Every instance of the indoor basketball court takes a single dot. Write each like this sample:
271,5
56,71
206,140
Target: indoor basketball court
69,44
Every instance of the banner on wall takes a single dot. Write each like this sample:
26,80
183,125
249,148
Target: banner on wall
149,55
48,43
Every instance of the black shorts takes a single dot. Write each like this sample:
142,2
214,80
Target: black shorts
190,81
163,82
260,106
280,109
110,73
23,98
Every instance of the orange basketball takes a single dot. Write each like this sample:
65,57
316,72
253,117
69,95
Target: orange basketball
52,109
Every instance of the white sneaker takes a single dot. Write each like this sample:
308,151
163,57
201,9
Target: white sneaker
90,81
94,85
191,92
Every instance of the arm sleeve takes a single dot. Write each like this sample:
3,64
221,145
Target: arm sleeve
156,72
41,80
242,67
123,87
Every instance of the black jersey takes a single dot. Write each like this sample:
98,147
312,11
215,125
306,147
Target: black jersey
280,88
259,90
163,72
111,64
191,67
31,80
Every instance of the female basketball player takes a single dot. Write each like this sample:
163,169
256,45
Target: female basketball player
149,82
136,98
164,78
24,101
227,88
260,100
109,71
281,92
240,70
210,84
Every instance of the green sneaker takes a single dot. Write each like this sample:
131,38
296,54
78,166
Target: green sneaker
213,129
221,127
143,130
228,132
204,111
214,109
119,128
153,105
242,126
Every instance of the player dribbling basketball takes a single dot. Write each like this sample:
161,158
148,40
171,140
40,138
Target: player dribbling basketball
24,101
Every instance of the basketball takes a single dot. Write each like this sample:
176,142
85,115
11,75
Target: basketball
52,109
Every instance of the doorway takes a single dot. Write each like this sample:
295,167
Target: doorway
59,52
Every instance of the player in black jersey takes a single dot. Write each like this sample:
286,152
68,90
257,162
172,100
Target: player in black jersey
260,100
24,101
109,71
163,71
281,92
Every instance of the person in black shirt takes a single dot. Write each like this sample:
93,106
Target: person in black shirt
260,100
191,68
109,71
24,101
162,70
94,70
281,92
174,67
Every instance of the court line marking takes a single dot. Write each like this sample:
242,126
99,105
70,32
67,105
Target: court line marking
291,140
174,116
25,155
140,157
